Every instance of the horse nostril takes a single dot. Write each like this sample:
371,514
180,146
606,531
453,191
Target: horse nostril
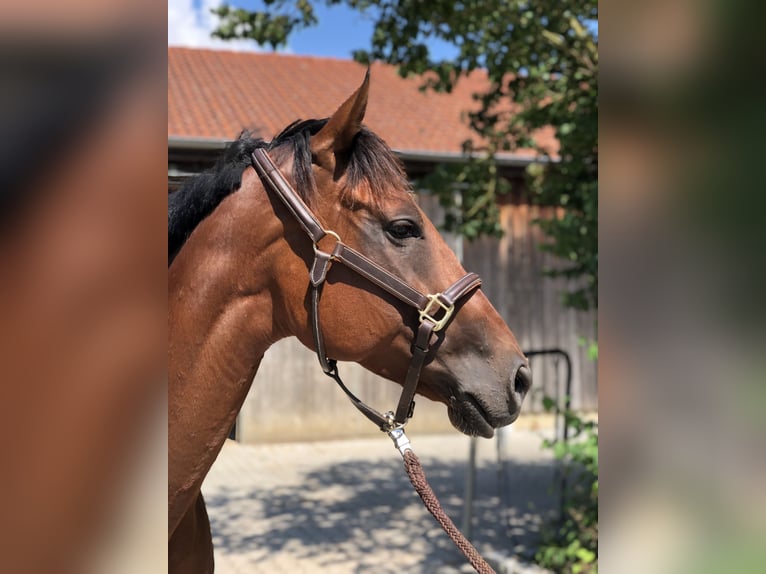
522,381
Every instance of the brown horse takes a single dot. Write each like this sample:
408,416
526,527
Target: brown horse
238,282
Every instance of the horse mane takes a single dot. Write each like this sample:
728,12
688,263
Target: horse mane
371,162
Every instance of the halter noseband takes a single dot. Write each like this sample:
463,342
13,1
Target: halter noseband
434,311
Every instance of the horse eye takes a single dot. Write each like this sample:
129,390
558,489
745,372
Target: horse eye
402,229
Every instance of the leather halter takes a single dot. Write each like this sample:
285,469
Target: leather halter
434,311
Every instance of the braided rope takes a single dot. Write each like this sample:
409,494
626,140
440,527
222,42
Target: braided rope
418,479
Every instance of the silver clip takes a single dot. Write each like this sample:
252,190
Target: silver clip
400,439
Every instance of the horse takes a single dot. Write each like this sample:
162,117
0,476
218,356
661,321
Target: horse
239,258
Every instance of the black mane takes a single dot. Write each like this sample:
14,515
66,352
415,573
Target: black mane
371,161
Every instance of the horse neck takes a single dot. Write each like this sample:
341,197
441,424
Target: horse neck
221,322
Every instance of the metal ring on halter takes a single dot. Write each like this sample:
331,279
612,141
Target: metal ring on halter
391,420
326,233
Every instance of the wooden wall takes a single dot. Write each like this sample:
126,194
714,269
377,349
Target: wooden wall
291,399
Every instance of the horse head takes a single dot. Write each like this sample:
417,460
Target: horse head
357,188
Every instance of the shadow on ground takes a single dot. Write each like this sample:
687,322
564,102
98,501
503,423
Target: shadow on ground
366,517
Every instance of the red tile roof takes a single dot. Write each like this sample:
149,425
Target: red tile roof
215,94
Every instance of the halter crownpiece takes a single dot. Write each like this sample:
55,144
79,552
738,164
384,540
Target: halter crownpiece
434,310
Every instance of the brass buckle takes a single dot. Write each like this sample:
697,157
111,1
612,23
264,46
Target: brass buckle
426,313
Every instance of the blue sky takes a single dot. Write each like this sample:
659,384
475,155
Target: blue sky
342,30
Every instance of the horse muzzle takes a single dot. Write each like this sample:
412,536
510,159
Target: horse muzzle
479,414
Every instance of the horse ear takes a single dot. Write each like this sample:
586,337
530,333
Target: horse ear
337,136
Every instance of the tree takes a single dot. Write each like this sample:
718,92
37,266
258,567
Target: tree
541,60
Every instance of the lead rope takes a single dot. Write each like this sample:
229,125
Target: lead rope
419,481
415,473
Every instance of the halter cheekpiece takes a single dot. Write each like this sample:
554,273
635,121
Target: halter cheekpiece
434,310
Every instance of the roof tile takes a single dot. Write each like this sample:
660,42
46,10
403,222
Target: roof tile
216,94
